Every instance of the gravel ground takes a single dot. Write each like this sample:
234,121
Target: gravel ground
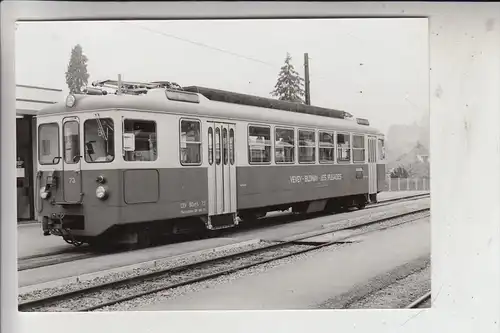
167,263
399,294
196,287
98,297
171,263
394,289
175,262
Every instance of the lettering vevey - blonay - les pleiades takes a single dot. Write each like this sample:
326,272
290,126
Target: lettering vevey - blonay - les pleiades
315,178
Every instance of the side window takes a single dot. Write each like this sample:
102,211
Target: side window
71,133
284,146
210,146
381,149
99,143
217,146
326,147
231,146
225,146
259,144
343,147
190,142
307,146
358,148
48,143
144,132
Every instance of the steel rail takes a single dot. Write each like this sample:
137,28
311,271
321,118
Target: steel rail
23,306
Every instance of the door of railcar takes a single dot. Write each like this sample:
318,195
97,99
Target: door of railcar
222,169
72,177
372,165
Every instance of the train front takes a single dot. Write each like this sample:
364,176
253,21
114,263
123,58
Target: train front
76,173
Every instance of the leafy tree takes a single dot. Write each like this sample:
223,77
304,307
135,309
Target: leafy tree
76,75
400,172
290,86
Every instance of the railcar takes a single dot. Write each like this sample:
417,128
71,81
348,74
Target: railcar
151,160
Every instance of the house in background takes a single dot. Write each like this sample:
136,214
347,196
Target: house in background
29,100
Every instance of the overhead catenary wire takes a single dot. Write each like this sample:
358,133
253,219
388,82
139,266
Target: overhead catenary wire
268,64
203,45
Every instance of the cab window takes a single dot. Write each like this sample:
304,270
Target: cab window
99,140
48,143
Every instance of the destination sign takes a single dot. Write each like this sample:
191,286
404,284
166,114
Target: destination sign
315,178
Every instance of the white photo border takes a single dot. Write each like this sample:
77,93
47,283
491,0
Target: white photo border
464,43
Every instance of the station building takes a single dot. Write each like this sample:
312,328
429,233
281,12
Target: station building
29,100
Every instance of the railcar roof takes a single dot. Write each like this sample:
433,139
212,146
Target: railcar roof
156,101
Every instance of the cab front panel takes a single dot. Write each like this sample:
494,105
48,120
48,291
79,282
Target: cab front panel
131,196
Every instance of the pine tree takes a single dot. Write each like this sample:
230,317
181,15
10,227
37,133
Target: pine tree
76,75
290,86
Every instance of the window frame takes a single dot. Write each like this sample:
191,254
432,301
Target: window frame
314,146
200,143
364,136
211,133
58,143
70,120
381,153
270,145
217,135
156,133
294,144
225,146
114,140
337,147
232,157
334,134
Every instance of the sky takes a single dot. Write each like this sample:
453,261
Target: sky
372,68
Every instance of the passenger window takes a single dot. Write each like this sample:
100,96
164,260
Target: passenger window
48,143
190,142
217,146
145,140
284,147
224,143
381,149
326,147
307,147
99,140
343,148
210,146
358,149
259,144
71,130
231,145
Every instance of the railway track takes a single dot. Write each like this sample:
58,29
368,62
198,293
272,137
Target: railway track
110,293
52,259
73,254
418,303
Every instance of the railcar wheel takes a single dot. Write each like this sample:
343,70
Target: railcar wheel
73,242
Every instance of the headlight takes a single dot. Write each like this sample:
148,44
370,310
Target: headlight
101,192
44,193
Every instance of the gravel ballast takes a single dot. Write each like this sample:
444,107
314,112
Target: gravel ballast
196,287
172,263
394,289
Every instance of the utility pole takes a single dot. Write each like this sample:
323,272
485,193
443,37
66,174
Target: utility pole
306,70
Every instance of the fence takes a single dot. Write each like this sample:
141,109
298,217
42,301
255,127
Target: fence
407,184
